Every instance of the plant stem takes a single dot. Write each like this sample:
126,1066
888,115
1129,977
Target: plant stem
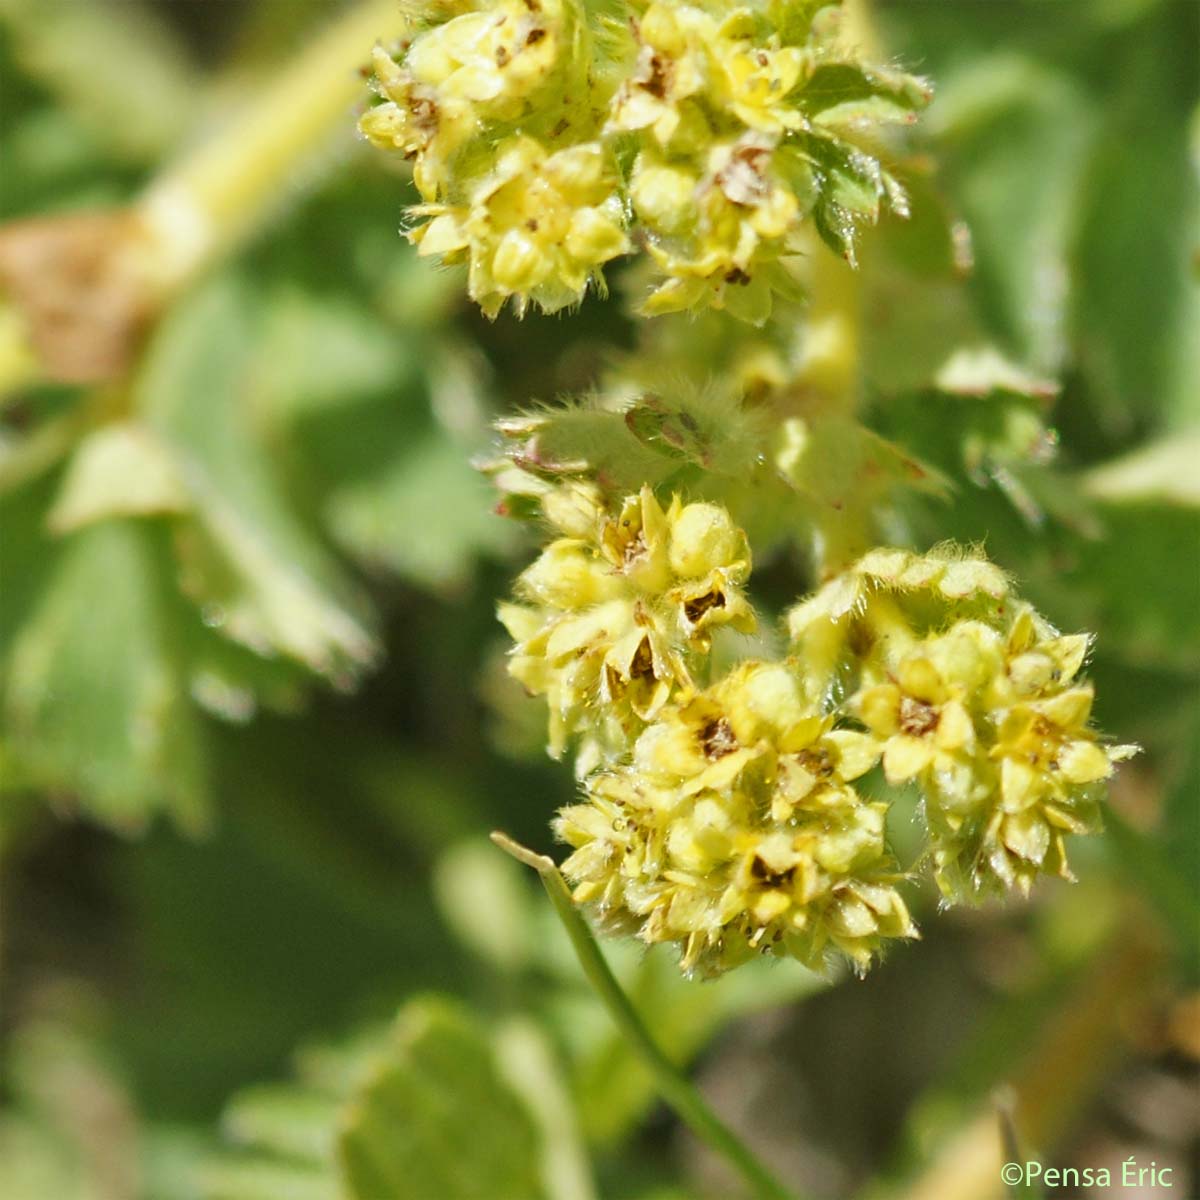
197,210
674,1087
219,192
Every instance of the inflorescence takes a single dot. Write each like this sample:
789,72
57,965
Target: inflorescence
731,810
729,817
549,137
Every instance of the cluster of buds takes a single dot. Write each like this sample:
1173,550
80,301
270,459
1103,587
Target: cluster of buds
967,692
729,819
734,830
548,140
618,614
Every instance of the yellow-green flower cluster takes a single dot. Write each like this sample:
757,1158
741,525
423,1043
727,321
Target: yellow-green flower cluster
734,831
537,227
727,819
966,691
617,615
548,140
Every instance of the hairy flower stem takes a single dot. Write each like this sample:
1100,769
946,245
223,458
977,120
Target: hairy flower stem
674,1087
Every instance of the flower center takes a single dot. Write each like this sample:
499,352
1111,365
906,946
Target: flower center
696,607
717,739
917,717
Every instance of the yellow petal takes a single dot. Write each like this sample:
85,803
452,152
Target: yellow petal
970,576
1068,710
1027,835
801,734
879,708
1060,818
1018,785
852,918
905,757
521,621
703,538
857,752
955,729
885,564
1084,762
1068,654
771,904
919,678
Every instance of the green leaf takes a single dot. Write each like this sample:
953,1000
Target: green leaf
835,83
321,354
119,71
245,558
351,397
849,100
1136,303
264,1179
1164,472
96,699
437,1119
1017,137
1143,574
425,515
843,473
290,1120
120,469
850,188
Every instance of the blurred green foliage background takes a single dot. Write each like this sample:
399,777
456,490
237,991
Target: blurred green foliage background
255,720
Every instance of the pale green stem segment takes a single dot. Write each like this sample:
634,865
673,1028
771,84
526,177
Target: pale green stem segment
206,204
214,196
674,1087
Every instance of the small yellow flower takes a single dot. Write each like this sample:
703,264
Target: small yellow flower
756,79
673,68
733,831
725,137
504,62
539,227
716,234
612,623
863,621
921,719
972,696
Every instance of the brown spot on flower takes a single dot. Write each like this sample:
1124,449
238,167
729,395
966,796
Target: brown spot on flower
635,547
697,606
743,179
424,114
501,55
917,717
763,873
656,75
737,275
642,666
816,760
534,36
717,739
